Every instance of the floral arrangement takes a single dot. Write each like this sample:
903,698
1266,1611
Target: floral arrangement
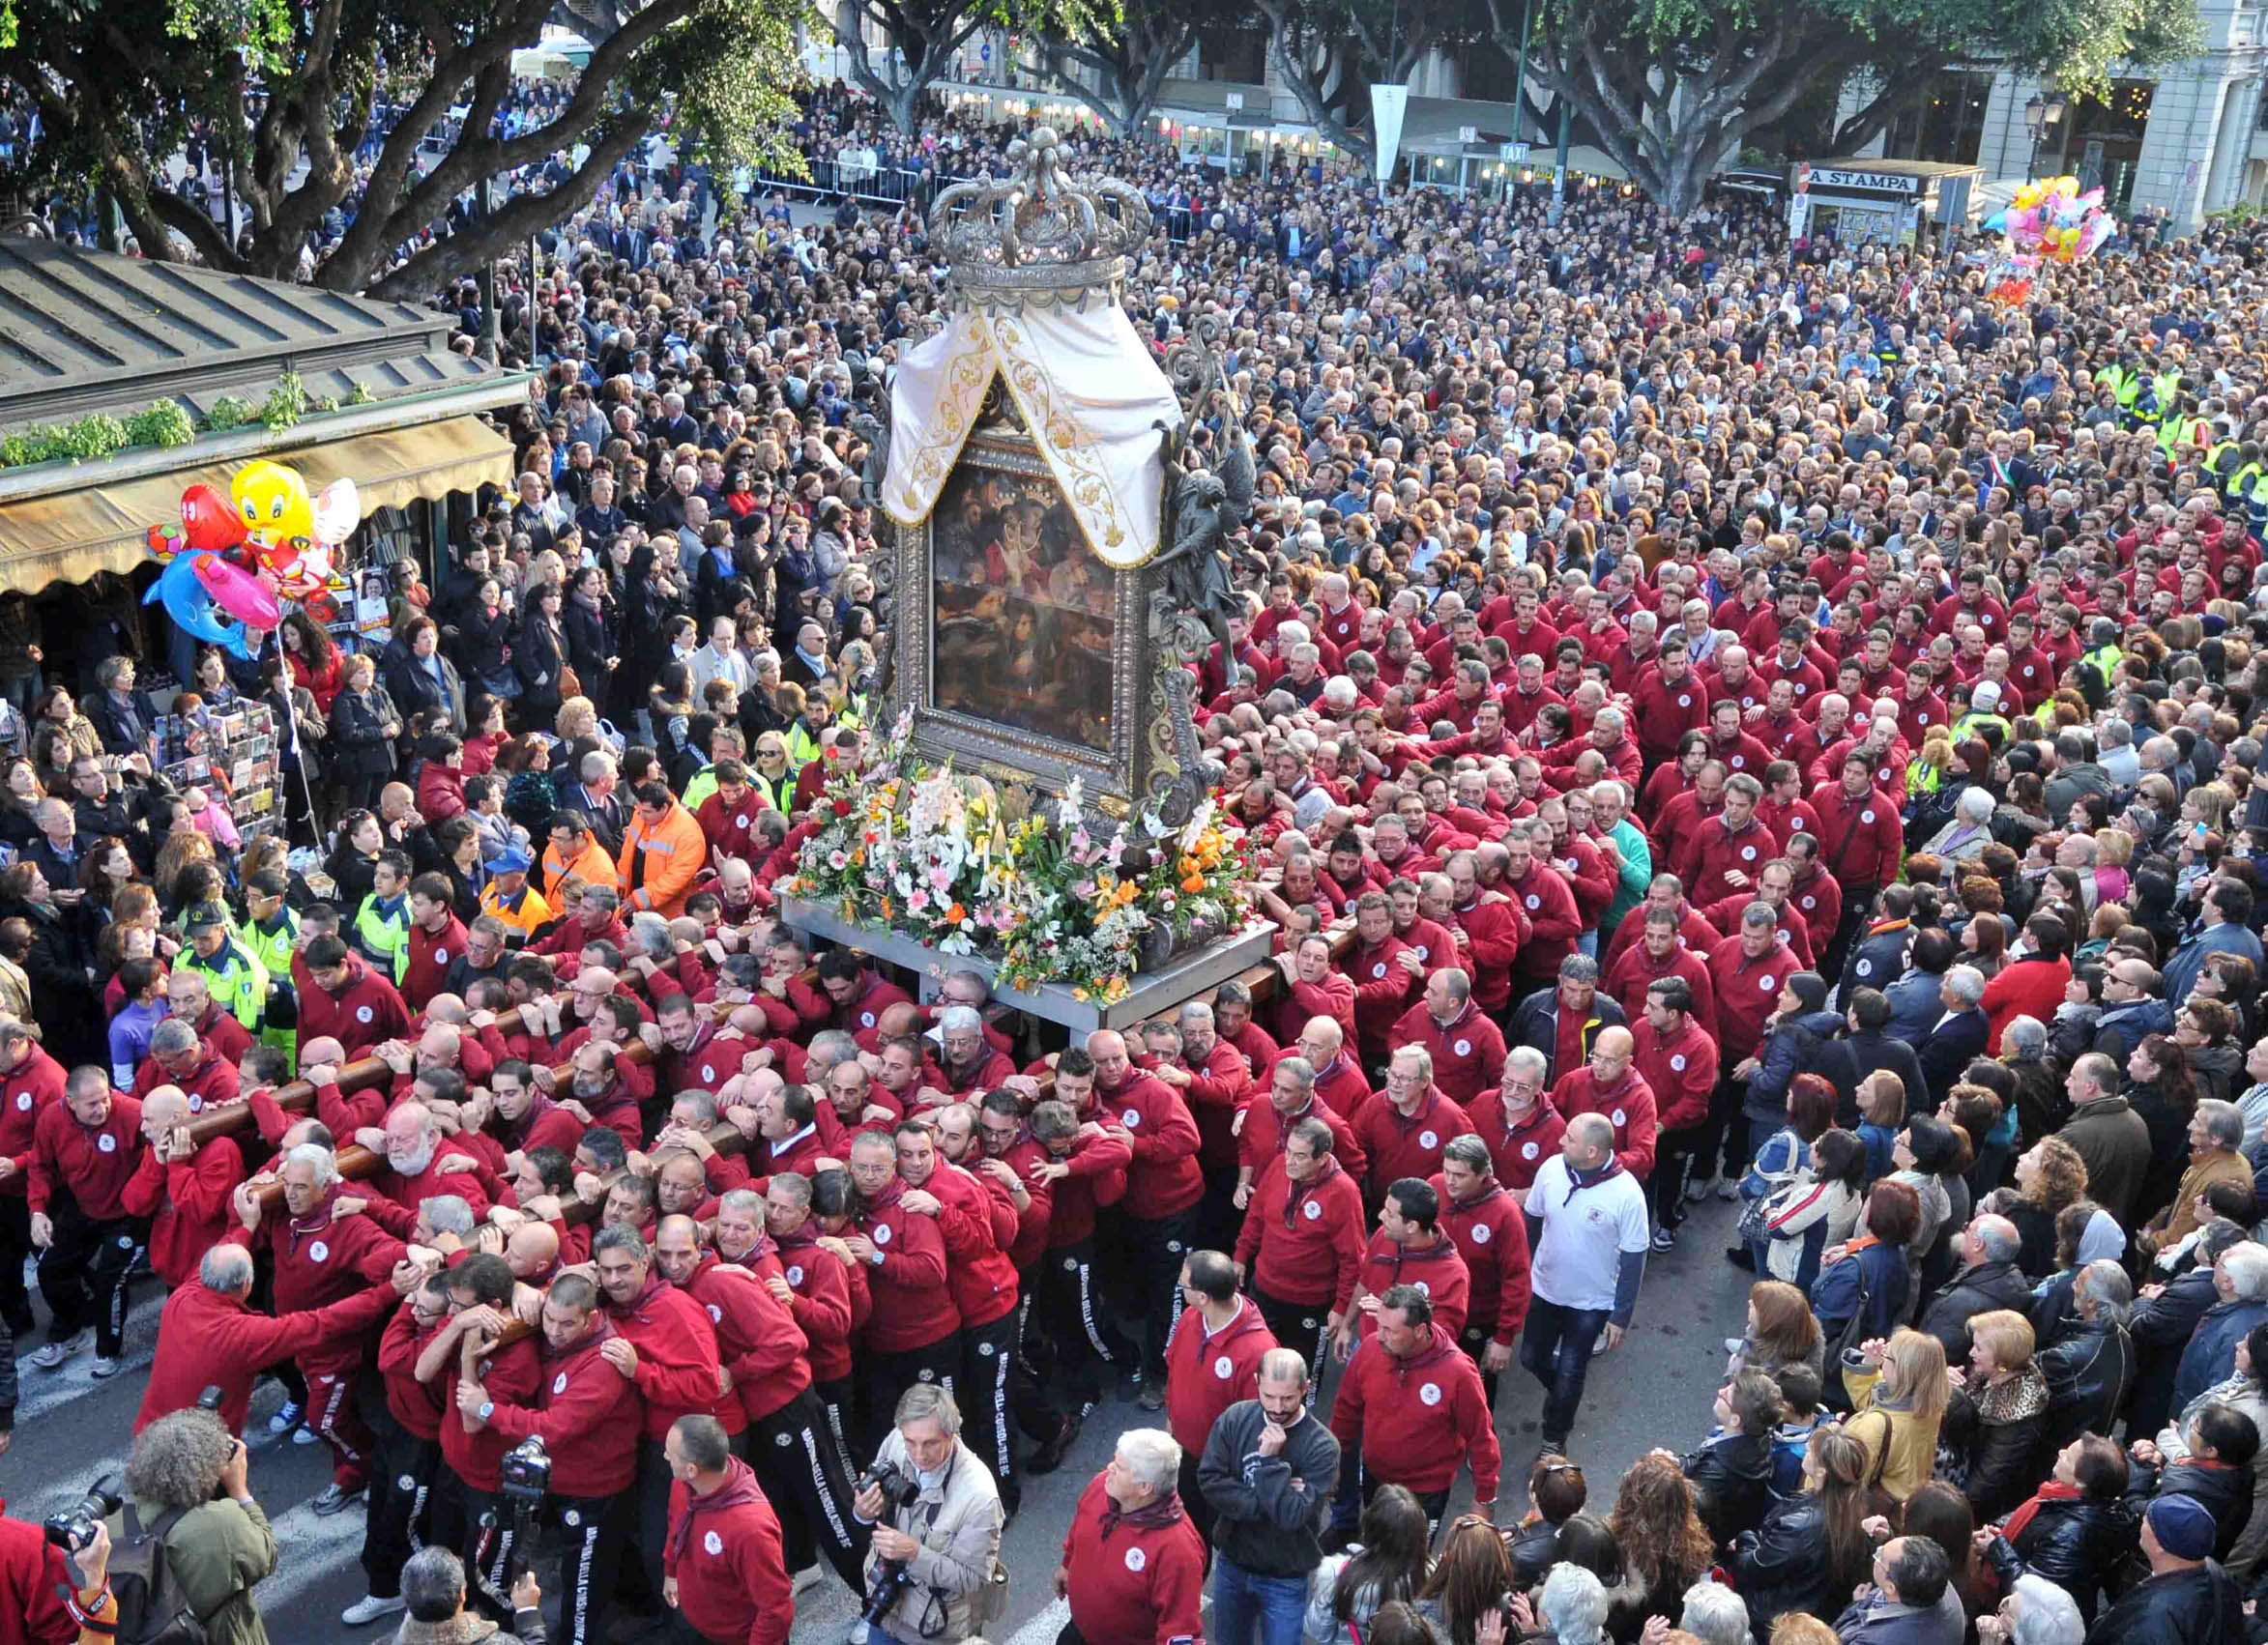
930,852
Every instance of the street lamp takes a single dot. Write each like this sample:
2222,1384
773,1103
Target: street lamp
2038,113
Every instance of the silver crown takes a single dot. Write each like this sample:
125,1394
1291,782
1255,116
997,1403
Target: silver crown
1039,235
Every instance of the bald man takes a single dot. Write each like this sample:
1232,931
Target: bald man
531,1253
1610,1085
182,1184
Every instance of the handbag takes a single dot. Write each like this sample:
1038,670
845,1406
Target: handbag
571,684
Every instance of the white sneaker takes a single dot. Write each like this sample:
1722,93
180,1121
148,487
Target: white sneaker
106,1367
286,1419
304,1436
1701,1187
810,1576
1729,1188
49,1356
369,1608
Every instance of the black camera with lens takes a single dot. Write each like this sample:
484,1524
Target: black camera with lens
524,1473
73,1529
899,1491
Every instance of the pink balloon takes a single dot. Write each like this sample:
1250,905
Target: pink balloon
243,595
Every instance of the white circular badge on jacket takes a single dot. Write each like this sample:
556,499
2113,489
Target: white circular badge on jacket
318,1253
882,1233
713,1543
559,1384
1480,1233
106,1143
1463,1047
1429,1140
796,1275
1311,1211
1224,1368
1430,1394
1136,1559
1130,1118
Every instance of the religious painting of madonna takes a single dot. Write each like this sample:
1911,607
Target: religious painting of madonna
1022,610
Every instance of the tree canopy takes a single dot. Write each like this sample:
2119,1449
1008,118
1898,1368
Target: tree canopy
922,37
120,85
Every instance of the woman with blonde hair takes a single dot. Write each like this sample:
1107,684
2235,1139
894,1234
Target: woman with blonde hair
1997,1413
1899,1414
1666,1549
577,718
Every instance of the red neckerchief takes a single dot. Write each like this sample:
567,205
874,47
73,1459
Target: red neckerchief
2051,1491
738,1489
1165,1511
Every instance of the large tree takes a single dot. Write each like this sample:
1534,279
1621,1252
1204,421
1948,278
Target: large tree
1127,59
1328,53
922,38
1673,87
119,84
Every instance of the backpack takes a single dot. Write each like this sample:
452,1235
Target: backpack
152,1608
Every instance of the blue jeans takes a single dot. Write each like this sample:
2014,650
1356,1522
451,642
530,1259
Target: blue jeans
1242,1600
1556,1344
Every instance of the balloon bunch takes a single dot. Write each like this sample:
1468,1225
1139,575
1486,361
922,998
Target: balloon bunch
2053,220
231,557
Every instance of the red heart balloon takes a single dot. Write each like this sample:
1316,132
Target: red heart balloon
210,520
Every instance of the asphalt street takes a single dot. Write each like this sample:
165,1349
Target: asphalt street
1654,1390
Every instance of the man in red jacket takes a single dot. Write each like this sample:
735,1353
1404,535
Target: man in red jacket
437,939
586,1412
1404,1132
1467,1048
1677,1057
665,1343
1301,1247
341,998
1492,1236
1133,1565
1415,1407
1610,1085
763,1352
183,1186
210,1336
1163,1184
724,1568
83,1156
1861,838
180,1058
913,1333
30,1080
1212,1361
1410,1248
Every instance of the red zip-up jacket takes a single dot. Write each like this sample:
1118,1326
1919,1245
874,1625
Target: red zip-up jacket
830,1302
1165,1176
1098,1177
1261,1139
1416,1419
1706,853
1664,712
979,1223
36,1082
1437,1269
1628,1104
913,1304
514,1373
1638,970
205,1339
431,954
1383,988
1217,1089
586,1413
1519,1152
1339,1085
1467,1052
1747,991
1332,997
94,1163
1681,1071
864,1010
1495,931
187,1202
726,1553
1492,1236
368,1011
212,1082
1206,1372
676,1353
1302,1241
757,1339
414,1405
1128,1583
1403,1145
321,1259
1860,840
1553,924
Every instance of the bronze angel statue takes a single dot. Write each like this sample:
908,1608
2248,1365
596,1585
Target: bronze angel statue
1205,508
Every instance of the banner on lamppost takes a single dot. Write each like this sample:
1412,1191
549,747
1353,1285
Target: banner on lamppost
1388,105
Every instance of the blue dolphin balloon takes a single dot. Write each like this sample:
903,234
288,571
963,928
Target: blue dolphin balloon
194,610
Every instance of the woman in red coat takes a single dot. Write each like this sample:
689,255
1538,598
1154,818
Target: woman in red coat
2032,984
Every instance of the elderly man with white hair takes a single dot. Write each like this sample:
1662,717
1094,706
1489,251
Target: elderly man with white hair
323,1257
1133,1565
2034,1613
1959,1032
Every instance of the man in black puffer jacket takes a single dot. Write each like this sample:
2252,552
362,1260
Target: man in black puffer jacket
2188,1596
2089,1361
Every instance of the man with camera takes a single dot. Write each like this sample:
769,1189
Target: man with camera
1133,1564
724,1570
187,1478
471,1346
933,1575
584,1415
84,1156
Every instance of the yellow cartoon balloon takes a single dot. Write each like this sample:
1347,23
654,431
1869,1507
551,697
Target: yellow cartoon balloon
273,501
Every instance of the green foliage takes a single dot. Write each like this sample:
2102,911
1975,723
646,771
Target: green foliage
282,407
229,413
164,424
